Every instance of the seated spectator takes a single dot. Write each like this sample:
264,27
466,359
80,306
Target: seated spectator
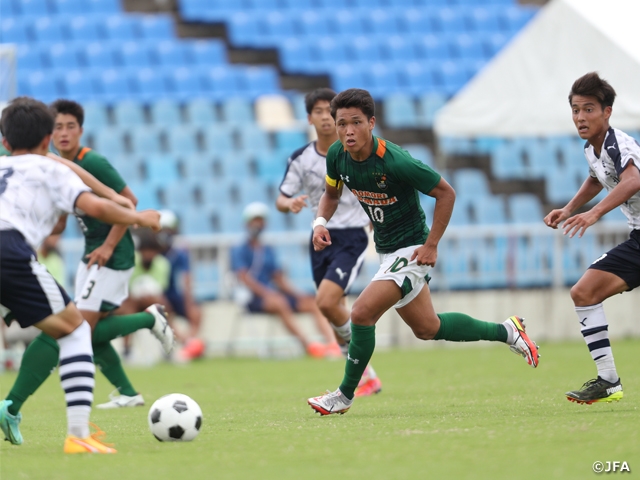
256,266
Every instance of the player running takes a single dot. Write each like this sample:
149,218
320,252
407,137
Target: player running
336,267
614,159
34,191
386,181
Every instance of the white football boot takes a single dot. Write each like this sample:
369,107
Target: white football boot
119,401
332,402
522,345
161,328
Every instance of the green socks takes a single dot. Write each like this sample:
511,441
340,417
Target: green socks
363,342
38,361
105,357
121,325
458,327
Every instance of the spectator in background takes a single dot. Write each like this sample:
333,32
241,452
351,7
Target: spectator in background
50,257
179,293
257,268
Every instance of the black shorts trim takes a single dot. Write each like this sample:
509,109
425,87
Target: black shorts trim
623,261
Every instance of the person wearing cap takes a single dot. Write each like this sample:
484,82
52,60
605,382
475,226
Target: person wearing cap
179,292
256,266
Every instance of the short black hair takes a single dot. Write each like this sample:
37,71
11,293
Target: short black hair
318,94
354,98
25,123
591,85
68,107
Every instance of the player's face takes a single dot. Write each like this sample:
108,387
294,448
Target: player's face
589,117
354,131
66,133
320,117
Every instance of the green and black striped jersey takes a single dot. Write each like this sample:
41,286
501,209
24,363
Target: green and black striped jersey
387,185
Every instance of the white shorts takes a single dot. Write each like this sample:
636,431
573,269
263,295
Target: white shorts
101,289
406,273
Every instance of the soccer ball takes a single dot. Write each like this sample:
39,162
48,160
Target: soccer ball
175,418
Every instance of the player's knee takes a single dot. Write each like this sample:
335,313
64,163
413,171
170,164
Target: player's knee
361,316
425,333
279,302
581,296
327,306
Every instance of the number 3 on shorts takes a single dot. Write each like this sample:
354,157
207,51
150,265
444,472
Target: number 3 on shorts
92,284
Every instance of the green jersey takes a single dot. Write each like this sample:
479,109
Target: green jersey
387,185
95,231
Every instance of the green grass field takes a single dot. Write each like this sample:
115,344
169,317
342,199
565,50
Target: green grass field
453,413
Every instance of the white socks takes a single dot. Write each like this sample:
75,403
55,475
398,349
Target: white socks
344,331
594,329
77,377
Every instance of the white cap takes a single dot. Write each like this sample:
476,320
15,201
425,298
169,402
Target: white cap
168,219
255,210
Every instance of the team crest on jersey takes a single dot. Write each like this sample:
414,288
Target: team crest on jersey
381,180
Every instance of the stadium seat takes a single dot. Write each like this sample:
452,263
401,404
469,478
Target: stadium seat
470,182
252,190
128,114
114,86
348,24
490,210
272,164
129,167
65,56
15,30
67,7
382,22
165,113
178,195
415,21
200,112
149,84
448,20
347,76
275,25
314,23
208,52
103,6
121,27
197,221
99,55
95,115
231,220
8,9
330,50
79,86
466,46
299,107
524,208
236,166
417,77
48,30
171,53
450,77
382,80
483,19
420,152
220,82
86,28
41,86
218,139
253,139
237,111
156,27
29,57
493,43
431,47
109,141
365,49
146,194
260,80
243,29
274,112
145,139
430,104
505,164
290,140
514,18
197,167
182,139
135,55
397,48
296,55
161,169
35,8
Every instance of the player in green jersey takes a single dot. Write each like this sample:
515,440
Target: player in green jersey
101,281
386,180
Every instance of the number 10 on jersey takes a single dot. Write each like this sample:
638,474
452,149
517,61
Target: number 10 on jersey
376,213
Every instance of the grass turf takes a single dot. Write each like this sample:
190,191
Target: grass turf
444,413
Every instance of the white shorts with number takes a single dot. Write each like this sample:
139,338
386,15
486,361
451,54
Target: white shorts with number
101,289
406,273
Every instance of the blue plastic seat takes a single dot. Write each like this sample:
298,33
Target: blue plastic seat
218,139
231,220
197,221
135,55
296,55
220,82
450,76
314,22
200,112
165,113
114,85
49,30
252,190
128,114
179,195
86,28
514,18
30,57
448,20
346,23
236,167
35,8
129,167
182,139
290,140
483,19
109,141
161,169
156,27
397,48
263,4
8,9
275,25
95,115
145,139
365,49
490,210
68,7
103,6
99,55
208,52
121,28
238,111
382,80
146,194
430,104
150,84
420,152
197,167
243,29
272,164
418,78
65,56
171,53
467,46
432,47
347,76
470,181
15,30
42,86
78,85
415,21
262,80
253,139
382,22
525,208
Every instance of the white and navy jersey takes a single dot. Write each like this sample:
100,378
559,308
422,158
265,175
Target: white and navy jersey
617,151
306,172
34,192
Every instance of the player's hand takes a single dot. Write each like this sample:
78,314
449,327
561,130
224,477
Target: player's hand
556,217
321,238
100,256
425,255
579,223
123,201
298,203
149,218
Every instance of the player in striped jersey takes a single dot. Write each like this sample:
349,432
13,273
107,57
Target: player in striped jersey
614,160
336,267
386,181
34,192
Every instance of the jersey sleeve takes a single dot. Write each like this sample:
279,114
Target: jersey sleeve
420,176
629,153
333,177
99,167
66,187
292,182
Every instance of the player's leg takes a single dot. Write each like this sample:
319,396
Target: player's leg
307,304
613,273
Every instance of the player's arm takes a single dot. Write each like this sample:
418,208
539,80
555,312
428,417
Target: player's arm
252,284
92,182
629,185
286,204
103,253
60,226
588,190
327,207
110,212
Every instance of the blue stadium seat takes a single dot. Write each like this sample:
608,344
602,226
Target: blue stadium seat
49,30
466,46
493,43
208,52
146,194
109,141
103,6
450,76
200,112
243,29
145,139
156,27
348,24
99,55
35,8
121,28
327,51
347,76
431,47
524,208
198,167
128,114
79,86
253,139
261,80
314,23
506,164
40,85
382,80
430,104
149,84
561,185
263,4
161,169
179,195
365,49
171,53
299,107
197,221
231,220
65,56
296,55
514,18
182,139
29,57
15,30
381,22
129,167
448,20
417,77
165,113
68,7
483,19
290,140
135,55
237,111
420,152
236,166
8,9
95,115
276,24
398,49
490,210
85,28
470,182
220,82
218,139
415,21
252,190
272,164
114,85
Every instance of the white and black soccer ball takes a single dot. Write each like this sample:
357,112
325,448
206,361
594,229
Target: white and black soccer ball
175,418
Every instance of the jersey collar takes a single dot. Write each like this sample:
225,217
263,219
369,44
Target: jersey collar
82,151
